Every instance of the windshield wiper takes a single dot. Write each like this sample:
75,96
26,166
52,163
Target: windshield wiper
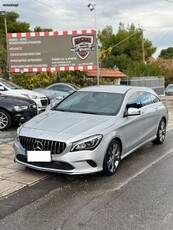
86,112
75,111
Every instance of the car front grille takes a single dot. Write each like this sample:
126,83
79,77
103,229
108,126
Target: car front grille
55,147
44,102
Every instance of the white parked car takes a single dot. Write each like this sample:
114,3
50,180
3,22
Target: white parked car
91,130
169,89
57,90
9,88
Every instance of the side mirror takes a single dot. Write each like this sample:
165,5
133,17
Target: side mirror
133,112
59,98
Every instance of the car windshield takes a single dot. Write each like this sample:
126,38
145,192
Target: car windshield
101,103
170,86
74,86
9,84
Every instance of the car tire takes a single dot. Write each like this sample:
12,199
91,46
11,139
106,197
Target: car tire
161,133
5,120
112,158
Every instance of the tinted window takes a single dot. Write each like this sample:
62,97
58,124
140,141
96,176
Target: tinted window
10,84
135,100
139,99
154,98
60,88
170,86
146,99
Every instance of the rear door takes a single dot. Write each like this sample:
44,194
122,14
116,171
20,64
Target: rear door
153,107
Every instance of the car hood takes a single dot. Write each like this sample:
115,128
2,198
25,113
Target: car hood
13,99
67,123
51,93
22,92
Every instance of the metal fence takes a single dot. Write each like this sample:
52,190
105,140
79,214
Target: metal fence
156,83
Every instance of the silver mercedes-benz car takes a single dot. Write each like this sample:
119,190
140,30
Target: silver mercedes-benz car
92,130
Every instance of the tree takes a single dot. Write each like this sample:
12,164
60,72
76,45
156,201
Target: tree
13,26
3,58
167,53
124,50
167,65
39,29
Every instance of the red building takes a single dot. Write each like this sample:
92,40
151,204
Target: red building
111,75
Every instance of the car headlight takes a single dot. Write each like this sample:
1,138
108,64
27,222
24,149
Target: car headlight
89,143
20,108
32,97
18,131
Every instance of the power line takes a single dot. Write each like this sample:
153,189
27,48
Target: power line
52,7
168,1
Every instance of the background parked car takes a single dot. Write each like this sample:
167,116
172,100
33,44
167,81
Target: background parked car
57,90
64,87
169,89
15,110
9,88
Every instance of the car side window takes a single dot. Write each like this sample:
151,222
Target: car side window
65,88
54,87
134,100
154,98
60,88
146,99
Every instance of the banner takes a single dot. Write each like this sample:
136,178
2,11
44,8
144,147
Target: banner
52,51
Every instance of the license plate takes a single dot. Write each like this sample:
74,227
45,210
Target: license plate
38,156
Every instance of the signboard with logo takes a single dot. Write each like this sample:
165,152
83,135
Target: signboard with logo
52,51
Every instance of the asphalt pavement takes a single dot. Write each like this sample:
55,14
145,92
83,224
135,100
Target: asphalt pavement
14,177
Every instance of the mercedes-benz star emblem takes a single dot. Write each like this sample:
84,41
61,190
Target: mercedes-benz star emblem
38,146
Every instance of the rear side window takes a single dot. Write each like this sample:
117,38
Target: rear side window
146,99
140,99
135,100
154,98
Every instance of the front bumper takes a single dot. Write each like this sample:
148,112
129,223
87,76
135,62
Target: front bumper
42,104
23,116
70,163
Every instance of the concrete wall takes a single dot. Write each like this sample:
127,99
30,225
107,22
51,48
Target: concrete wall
156,83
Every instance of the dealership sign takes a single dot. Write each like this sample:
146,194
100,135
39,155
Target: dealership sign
52,51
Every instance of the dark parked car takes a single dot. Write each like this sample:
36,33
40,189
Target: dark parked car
11,89
15,110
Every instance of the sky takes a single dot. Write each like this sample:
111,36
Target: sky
155,17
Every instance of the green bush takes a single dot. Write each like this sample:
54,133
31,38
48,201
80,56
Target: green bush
31,81
41,80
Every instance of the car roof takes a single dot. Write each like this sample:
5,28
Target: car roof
66,84
122,89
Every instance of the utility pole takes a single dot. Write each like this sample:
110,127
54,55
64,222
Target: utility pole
143,49
4,13
93,8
